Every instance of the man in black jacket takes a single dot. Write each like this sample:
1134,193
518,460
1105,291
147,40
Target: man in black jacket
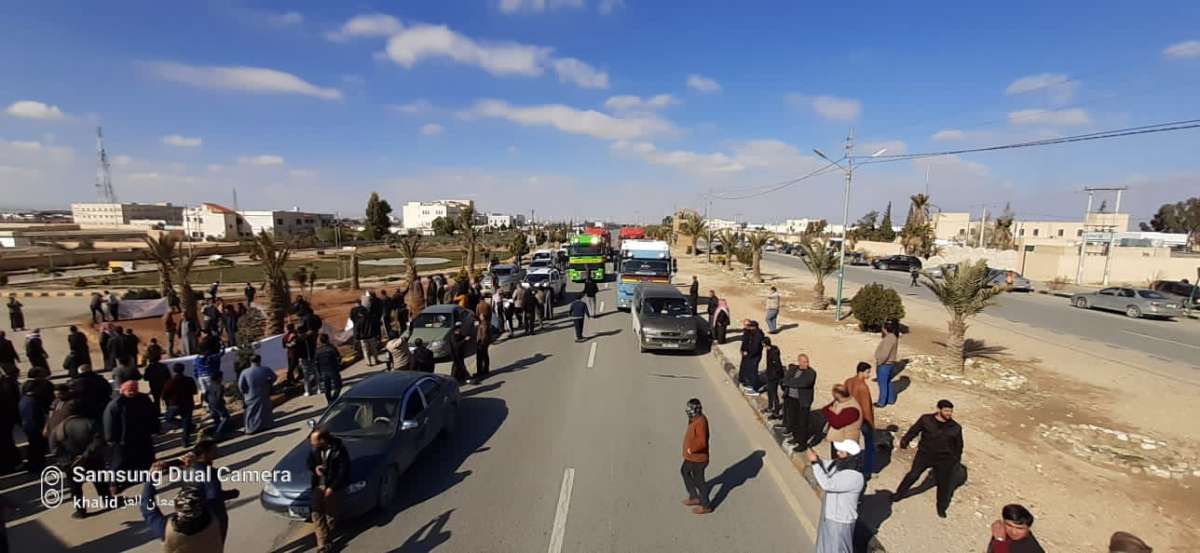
329,367
774,374
422,358
78,441
8,354
589,291
201,459
797,401
35,352
130,423
363,328
92,392
329,463
752,350
78,352
694,295
940,448
10,397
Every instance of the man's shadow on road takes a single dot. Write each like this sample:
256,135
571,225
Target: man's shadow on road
736,475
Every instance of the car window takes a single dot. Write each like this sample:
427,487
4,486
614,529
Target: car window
429,386
431,320
413,405
1151,295
501,271
1126,293
670,307
361,417
1108,292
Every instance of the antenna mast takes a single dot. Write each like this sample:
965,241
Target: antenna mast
104,187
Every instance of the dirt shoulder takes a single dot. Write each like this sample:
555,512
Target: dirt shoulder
1090,444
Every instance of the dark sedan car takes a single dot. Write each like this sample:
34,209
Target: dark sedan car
897,263
385,421
434,325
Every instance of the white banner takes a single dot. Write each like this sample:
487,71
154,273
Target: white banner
271,349
142,309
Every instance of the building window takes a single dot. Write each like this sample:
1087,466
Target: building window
1021,232
1079,233
279,221
1035,232
1060,232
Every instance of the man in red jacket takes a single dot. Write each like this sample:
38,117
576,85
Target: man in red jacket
695,458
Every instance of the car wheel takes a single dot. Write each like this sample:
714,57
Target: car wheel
1081,303
389,485
1133,312
882,267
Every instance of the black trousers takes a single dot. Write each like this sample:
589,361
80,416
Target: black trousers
578,328
483,361
943,476
796,420
530,322
773,397
694,481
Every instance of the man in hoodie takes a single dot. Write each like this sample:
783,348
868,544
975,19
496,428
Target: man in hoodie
797,400
329,463
695,458
842,485
940,448
1013,533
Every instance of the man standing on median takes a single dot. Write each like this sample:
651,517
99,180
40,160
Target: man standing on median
861,391
885,362
695,458
797,401
841,485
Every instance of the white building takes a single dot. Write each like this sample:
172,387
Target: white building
500,220
214,222
286,223
419,216
722,224
109,215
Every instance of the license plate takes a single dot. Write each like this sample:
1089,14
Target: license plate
670,345
298,512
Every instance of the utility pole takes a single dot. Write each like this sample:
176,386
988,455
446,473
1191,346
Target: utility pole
1112,234
983,227
1083,238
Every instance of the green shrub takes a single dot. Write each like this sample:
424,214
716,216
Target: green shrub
141,294
874,304
221,262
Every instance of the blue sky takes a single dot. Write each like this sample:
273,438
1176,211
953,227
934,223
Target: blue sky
595,108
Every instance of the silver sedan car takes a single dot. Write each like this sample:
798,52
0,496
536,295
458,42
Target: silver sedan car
1134,302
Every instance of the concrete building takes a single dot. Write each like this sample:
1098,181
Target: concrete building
722,224
952,226
286,223
419,216
1071,231
110,215
210,221
499,220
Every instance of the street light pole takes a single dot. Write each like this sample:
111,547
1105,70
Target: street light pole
837,311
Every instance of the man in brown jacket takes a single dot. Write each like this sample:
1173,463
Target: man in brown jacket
695,458
861,392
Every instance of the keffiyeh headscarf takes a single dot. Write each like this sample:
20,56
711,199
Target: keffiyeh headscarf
191,516
693,408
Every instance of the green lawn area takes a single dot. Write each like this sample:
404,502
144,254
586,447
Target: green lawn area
326,267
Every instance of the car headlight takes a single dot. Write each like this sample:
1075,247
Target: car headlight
271,490
691,332
356,487
437,345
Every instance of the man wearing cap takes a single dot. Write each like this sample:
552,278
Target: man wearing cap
940,449
842,484
695,458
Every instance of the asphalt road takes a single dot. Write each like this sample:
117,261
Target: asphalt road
597,413
1174,341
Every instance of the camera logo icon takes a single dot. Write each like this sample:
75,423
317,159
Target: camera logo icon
53,482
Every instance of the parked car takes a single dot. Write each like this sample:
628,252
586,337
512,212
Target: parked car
385,422
1134,302
507,276
856,258
662,318
547,278
897,263
434,325
1012,279
940,271
769,248
1188,294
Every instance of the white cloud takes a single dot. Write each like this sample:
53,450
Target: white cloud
215,168
302,173
606,7
684,160
537,6
286,19
256,80
946,135
1183,50
122,160
31,109
22,152
700,83
574,121
431,129
145,176
571,70
366,25
629,102
1055,118
416,107
1057,86
832,108
261,160
182,141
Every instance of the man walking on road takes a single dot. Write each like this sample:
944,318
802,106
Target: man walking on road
531,309
96,306
861,391
694,295
114,307
914,272
35,351
797,401
77,351
329,463
255,385
179,395
578,311
940,448
483,335
839,504
773,310
695,458
589,291
885,362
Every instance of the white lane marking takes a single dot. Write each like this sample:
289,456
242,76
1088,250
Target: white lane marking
1193,346
602,307
560,514
592,356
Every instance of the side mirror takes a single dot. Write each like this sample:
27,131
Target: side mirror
312,423
409,425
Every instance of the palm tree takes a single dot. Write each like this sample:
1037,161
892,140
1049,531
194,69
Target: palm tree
964,293
757,240
693,226
410,247
470,235
162,251
273,255
1002,237
183,272
821,261
918,212
728,238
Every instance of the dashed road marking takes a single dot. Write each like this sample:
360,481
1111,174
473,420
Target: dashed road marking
592,356
560,513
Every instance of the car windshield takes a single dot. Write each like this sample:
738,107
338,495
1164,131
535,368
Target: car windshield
431,320
671,307
362,417
645,266
585,251
1151,295
502,271
534,279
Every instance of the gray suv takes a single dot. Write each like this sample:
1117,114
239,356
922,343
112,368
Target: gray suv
662,319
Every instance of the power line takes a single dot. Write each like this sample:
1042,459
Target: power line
779,186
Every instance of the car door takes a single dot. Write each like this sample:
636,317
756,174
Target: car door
636,311
1105,299
1125,298
414,427
435,403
